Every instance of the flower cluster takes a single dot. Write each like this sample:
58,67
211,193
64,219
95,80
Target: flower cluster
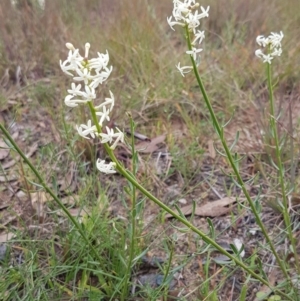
273,42
185,13
91,73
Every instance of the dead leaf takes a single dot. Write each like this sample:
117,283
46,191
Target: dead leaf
152,146
4,150
5,199
3,206
211,209
211,149
265,290
6,237
67,183
70,200
4,179
38,200
32,150
79,213
138,136
12,162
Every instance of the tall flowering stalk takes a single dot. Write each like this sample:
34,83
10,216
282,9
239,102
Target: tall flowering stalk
92,73
186,14
272,43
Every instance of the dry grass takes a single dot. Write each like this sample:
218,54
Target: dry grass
144,52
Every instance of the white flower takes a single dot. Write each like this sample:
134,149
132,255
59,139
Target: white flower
273,44
42,4
92,73
104,115
265,57
204,13
192,21
110,135
276,52
275,39
100,62
73,62
108,101
89,93
106,168
194,52
84,75
183,14
238,244
119,137
262,41
75,90
100,77
172,23
184,69
70,102
85,130
199,36
181,9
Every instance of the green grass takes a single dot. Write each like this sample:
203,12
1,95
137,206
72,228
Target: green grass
48,259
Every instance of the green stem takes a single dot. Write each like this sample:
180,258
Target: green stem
56,199
167,271
184,221
133,217
240,181
274,132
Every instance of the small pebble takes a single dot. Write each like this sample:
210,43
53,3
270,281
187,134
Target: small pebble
182,201
3,250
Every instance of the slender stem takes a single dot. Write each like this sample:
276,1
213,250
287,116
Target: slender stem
274,132
133,216
184,221
53,195
167,271
240,181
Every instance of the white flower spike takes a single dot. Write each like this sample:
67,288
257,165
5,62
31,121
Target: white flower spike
185,13
273,43
91,73
106,168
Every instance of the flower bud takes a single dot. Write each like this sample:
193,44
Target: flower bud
87,48
70,46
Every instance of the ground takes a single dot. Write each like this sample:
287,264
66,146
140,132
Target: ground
42,256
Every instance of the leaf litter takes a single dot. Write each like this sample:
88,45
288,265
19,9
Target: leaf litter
221,210
211,209
218,210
